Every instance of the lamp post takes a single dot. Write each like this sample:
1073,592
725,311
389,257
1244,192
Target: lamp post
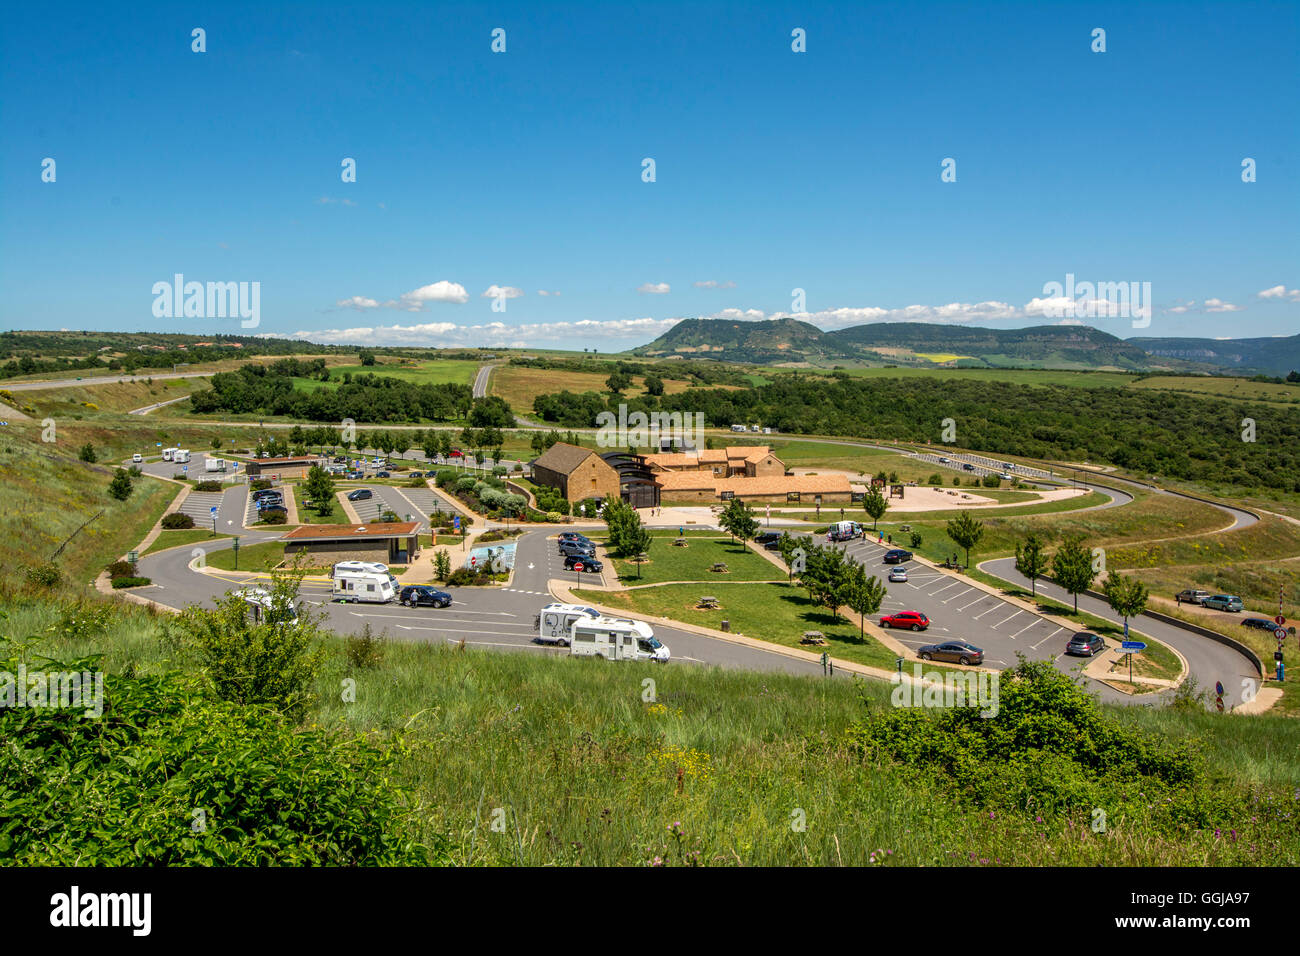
235,545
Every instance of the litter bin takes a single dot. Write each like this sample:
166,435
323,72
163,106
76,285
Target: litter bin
726,625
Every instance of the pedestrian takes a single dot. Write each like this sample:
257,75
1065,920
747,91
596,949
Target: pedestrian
1179,599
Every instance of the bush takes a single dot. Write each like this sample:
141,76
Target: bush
273,517
87,453
553,517
44,575
172,780
916,539
364,650
177,520
120,487
207,485
935,479
131,582
465,577
991,481
120,569
259,484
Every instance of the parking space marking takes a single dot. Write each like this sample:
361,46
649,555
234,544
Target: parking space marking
956,596
1023,629
994,627
1047,638
996,605
972,603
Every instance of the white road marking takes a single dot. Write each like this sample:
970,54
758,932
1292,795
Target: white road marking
996,605
1048,638
1023,629
994,627
956,596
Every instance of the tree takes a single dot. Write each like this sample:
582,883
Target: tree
618,382
87,453
864,594
827,576
1072,568
442,566
654,385
319,489
739,521
1127,596
874,504
965,532
637,539
1031,561
120,487
622,523
367,358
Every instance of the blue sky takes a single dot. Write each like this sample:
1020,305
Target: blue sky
522,170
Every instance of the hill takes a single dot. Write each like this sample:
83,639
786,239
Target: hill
1268,356
768,342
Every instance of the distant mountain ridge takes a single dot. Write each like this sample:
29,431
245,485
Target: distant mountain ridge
1276,355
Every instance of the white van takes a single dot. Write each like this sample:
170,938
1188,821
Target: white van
181,455
169,454
262,608
214,464
555,622
844,531
372,587
616,639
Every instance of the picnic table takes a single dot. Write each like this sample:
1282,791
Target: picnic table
708,604
679,543
720,567
814,637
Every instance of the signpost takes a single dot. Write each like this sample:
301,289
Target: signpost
213,512
1130,648
1280,634
235,545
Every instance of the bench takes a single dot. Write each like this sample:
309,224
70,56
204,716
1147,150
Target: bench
708,604
720,567
814,637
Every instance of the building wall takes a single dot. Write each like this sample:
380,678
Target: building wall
328,552
594,478
767,466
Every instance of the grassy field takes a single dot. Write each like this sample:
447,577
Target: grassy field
93,402
439,372
181,536
254,557
693,562
1018,376
1234,388
519,385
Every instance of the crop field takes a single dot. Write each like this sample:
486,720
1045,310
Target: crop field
519,385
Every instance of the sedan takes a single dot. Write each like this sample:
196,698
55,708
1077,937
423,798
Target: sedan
419,595
1191,596
361,494
897,556
574,536
382,474
579,562
956,652
1262,623
1085,644
1223,602
906,619
897,575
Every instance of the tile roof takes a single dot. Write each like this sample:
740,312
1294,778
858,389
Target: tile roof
563,458
333,532
743,486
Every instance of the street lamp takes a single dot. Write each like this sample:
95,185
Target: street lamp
236,547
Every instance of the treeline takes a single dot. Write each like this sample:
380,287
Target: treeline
31,353
697,373
259,390
1165,434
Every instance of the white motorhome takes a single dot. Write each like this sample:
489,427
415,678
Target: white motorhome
181,455
363,581
214,464
169,454
261,606
555,622
616,639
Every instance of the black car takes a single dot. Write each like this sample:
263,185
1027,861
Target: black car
583,562
967,466
272,509
416,474
897,556
1085,644
361,494
382,474
574,536
267,493
957,652
1262,623
578,548
421,595
770,540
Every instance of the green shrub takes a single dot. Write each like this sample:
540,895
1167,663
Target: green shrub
131,582
259,484
120,569
87,453
45,575
273,517
120,487
177,520
364,650
170,777
207,485
991,481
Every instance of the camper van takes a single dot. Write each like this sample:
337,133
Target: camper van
181,455
215,464
365,581
169,454
844,531
261,607
555,622
616,639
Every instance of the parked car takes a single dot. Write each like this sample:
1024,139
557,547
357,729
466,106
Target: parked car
1005,477
913,620
583,562
957,652
267,502
897,556
767,536
967,466
1191,596
416,474
421,595
267,493
340,459
942,460
382,474
456,453
360,494
574,536
579,548
897,574
1262,623
137,457
1223,602
355,475
271,509
1085,644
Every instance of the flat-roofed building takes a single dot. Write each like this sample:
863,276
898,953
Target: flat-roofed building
390,542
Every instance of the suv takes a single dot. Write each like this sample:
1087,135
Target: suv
579,548
1085,644
910,619
421,595
583,562
897,556
361,494
1191,596
1223,602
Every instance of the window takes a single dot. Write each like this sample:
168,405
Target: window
792,496
728,495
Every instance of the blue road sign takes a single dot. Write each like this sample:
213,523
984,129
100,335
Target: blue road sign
212,510
456,522
1133,646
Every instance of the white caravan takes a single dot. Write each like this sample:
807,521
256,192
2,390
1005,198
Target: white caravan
181,455
616,639
555,622
363,581
169,454
214,464
261,606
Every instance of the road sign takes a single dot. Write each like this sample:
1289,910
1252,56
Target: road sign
1279,620
212,510
1218,688
1280,633
1132,647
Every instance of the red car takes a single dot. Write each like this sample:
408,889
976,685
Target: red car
456,453
913,619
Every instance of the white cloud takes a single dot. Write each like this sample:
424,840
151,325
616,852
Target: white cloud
442,291
503,291
1280,292
358,302
1218,305
715,284
654,288
328,201
499,334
